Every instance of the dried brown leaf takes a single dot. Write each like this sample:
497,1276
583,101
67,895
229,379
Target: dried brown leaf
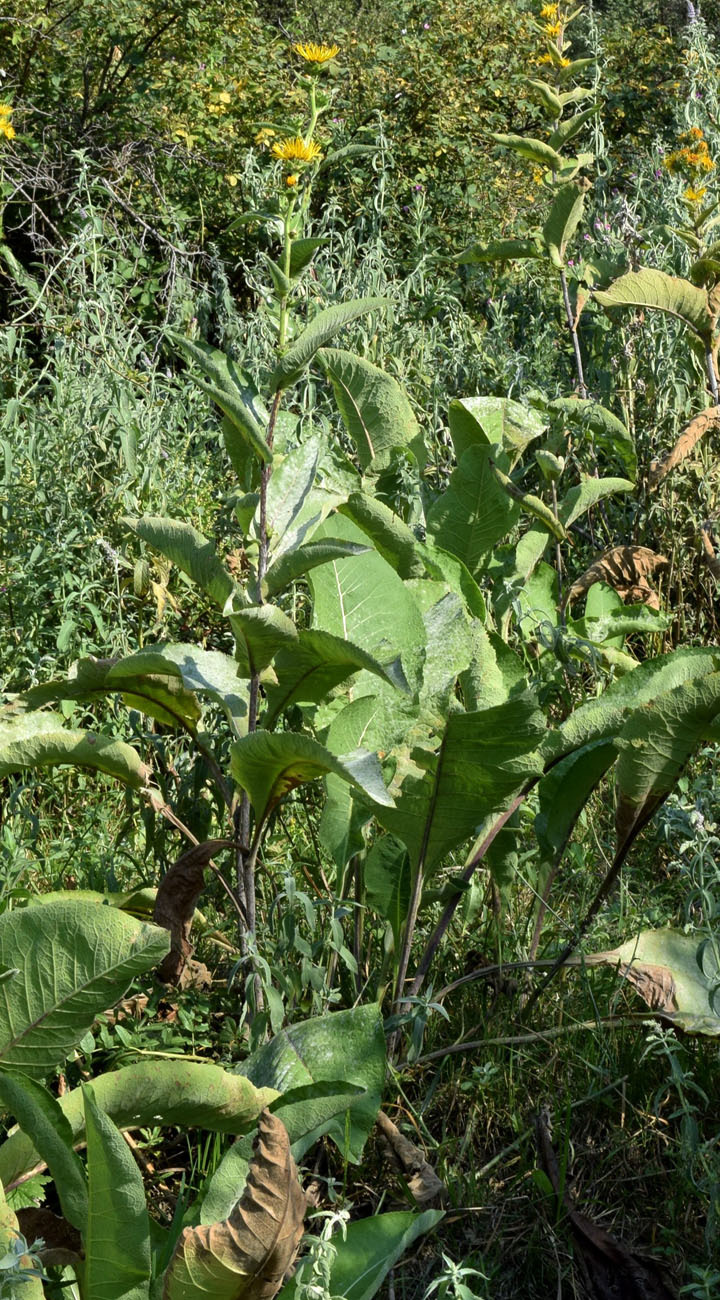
423,1183
709,556
249,1253
627,569
612,1271
690,436
175,904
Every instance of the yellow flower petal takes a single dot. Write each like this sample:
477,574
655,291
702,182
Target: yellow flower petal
313,53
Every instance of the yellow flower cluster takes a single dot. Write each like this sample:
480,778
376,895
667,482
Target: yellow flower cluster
6,127
549,11
692,159
313,53
552,29
695,196
294,149
548,58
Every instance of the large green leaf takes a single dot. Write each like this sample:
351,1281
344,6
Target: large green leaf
30,740
501,250
147,681
30,1287
587,494
211,673
650,288
567,130
75,961
344,816
449,647
310,668
563,793
537,151
375,409
363,600
292,480
390,536
322,328
655,744
440,564
483,759
269,766
226,385
118,1259
485,420
388,882
41,1119
181,1093
295,564
193,554
562,222
344,1046
370,1249
246,1255
608,430
260,631
531,504
474,513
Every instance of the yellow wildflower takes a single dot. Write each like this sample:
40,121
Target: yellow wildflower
695,133
552,29
6,110
544,58
292,180
7,129
549,11
695,196
294,149
232,179
313,53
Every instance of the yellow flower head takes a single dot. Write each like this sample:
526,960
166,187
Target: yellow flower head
292,180
295,150
695,196
313,53
549,11
552,29
6,129
6,110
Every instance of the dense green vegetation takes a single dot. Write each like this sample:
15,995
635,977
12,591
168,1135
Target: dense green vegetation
359,650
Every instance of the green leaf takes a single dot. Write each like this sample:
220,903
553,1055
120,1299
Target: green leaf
344,1046
531,504
270,766
211,673
501,250
449,648
562,222
301,253
76,960
667,293
364,601
291,482
655,744
375,409
485,420
117,1241
390,536
388,882
370,1249
538,600
474,513
483,760
30,740
609,431
494,673
309,669
440,564
587,494
563,793
41,1119
548,97
295,564
260,632
567,130
185,547
631,619
31,1287
537,151
225,384
317,334
673,973
146,681
344,816
176,1093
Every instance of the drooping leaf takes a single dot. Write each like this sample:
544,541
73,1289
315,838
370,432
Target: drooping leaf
269,766
211,673
388,882
627,569
147,682
177,894
537,151
295,564
530,503
474,513
562,222
650,288
375,409
290,484
563,793
549,99
75,961
322,328
185,547
483,759
226,385
41,1119
248,1254
314,665
567,130
177,1092
117,1262
370,1249
689,438
390,536
345,1046
443,566
493,420
587,493
501,250
608,430
31,740
630,620
674,973
260,632
344,816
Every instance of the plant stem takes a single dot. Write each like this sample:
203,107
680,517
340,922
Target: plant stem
712,374
574,335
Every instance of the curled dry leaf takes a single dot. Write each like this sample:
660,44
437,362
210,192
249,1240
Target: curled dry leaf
423,1183
709,556
246,1256
694,431
612,1272
175,904
627,569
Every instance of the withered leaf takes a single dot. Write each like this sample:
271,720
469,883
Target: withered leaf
612,1272
691,434
175,903
423,1183
709,556
627,569
249,1253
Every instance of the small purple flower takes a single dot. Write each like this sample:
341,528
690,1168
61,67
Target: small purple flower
587,237
426,26
406,207
658,173
418,186
698,94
